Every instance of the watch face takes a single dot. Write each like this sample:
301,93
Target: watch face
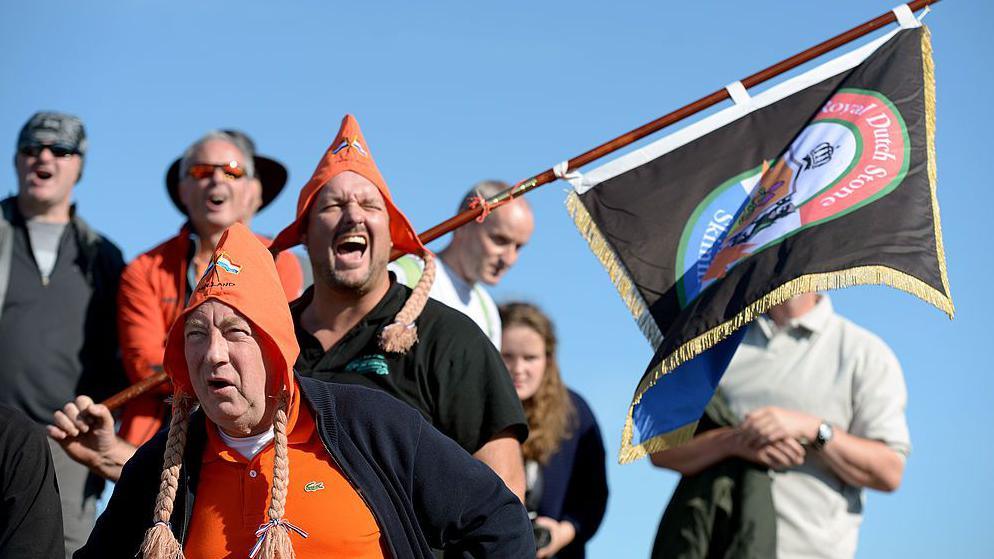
824,433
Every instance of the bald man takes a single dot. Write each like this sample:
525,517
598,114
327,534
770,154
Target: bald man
480,252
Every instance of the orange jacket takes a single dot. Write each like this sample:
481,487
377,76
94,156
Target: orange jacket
152,294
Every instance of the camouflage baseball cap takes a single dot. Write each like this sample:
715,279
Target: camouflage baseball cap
53,129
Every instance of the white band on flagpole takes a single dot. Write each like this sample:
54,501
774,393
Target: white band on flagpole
575,178
905,17
738,93
691,132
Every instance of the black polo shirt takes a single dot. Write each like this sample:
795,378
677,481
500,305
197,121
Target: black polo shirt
453,375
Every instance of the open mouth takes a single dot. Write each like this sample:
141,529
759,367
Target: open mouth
43,174
219,384
216,200
351,245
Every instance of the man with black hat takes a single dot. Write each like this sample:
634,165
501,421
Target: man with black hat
58,280
218,181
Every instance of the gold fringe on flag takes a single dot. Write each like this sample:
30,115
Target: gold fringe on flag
615,268
862,275
928,71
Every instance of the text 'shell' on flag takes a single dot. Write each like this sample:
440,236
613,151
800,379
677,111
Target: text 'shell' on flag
824,181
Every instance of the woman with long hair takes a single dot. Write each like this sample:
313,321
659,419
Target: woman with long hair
564,453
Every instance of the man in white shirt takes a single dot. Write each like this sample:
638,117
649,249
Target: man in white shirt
821,404
480,252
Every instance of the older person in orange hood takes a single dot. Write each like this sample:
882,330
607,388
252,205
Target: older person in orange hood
273,465
358,325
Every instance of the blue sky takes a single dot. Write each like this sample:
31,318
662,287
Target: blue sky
451,93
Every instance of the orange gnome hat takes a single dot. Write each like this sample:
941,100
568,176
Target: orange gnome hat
350,152
242,274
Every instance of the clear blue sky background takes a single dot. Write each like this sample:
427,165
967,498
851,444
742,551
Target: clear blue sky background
450,93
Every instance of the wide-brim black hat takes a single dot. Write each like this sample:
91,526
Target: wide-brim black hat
271,173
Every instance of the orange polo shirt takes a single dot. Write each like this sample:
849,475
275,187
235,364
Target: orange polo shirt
233,496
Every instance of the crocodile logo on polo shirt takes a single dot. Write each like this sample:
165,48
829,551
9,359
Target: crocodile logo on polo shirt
368,364
313,486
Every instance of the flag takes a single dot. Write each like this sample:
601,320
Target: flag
824,181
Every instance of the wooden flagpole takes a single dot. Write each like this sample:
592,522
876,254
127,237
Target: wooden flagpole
602,150
701,104
135,390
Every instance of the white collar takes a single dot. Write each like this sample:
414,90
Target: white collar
247,446
813,321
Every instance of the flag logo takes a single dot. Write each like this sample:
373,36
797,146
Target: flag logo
351,143
224,262
853,152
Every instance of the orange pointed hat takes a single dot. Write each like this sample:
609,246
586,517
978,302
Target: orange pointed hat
349,152
242,275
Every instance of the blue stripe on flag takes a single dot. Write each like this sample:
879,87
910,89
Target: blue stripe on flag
679,398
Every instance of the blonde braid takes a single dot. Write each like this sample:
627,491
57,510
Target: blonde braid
277,544
401,334
160,543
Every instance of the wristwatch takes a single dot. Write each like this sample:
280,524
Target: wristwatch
824,435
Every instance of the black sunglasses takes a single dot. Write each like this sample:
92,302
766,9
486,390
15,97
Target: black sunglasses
35,150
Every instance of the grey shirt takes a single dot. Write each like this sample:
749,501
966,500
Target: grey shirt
823,365
45,239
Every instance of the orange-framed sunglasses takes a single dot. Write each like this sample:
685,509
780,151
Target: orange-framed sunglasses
232,170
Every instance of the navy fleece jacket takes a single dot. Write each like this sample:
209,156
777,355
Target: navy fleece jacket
424,490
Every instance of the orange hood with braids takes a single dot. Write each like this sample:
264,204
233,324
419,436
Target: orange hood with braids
349,152
243,276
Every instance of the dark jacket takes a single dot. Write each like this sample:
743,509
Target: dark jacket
30,512
101,263
423,490
102,260
574,481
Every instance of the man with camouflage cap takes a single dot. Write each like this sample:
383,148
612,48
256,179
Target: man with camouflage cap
58,281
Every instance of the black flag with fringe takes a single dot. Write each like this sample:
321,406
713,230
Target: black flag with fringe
824,181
